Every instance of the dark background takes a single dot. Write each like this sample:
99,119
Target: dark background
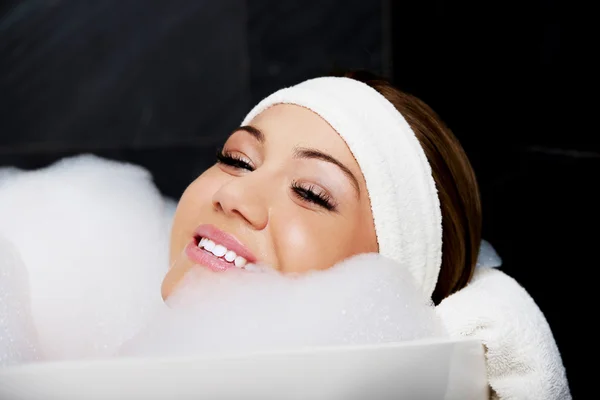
161,84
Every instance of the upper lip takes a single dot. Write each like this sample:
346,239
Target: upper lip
223,238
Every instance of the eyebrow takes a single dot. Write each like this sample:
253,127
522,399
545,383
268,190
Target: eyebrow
258,135
302,152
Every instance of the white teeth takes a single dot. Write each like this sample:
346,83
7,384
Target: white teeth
209,245
239,262
230,256
219,250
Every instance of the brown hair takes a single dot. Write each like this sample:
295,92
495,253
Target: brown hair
455,181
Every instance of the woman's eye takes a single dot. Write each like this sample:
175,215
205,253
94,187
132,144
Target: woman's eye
315,195
233,160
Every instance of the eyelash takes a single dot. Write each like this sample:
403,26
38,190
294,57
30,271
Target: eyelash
311,195
304,193
233,160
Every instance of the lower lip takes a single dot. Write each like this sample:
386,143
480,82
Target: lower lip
207,259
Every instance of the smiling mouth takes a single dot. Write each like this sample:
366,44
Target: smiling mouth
223,257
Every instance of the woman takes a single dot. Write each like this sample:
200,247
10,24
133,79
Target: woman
339,166
287,186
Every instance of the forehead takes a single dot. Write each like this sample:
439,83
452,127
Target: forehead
287,125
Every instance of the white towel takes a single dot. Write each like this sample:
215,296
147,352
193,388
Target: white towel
523,361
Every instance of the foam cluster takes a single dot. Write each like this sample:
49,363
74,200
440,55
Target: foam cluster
93,237
364,300
18,336
88,250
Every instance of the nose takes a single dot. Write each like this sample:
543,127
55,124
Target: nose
244,198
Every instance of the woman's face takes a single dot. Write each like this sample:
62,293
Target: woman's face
285,192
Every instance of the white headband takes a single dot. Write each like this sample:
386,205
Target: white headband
404,202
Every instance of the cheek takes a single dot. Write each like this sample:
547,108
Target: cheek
304,243
195,202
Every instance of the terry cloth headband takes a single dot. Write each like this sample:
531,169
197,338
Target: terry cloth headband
404,202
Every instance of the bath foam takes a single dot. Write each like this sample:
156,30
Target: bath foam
93,237
18,336
8,172
366,299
